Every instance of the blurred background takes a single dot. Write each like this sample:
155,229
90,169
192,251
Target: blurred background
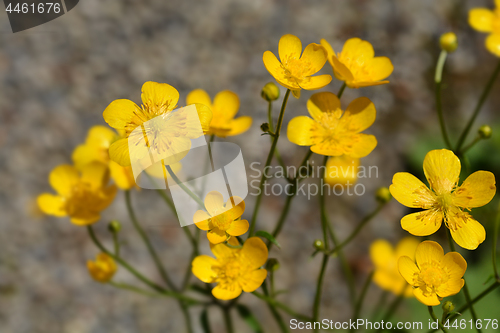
58,78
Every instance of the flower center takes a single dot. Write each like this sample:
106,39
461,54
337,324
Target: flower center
221,221
81,199
230,271
296,69
431,277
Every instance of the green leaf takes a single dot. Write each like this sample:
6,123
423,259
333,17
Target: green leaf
268,236
489,279
204,321
249,318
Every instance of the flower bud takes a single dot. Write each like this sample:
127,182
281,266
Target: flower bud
383,195
448,307
264,127
448,42
272,265
114,226
318,245
484,132
270,92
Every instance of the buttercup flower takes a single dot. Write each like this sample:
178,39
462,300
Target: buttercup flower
435,275
341,170
225,106
486,20
294,71
82,197
173,141
103,268
222,220
357,65
233,270
331,131
385,259
443,200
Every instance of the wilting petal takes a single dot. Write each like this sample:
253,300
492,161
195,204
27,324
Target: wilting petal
441,168
476,191
408,190
422,223
202,268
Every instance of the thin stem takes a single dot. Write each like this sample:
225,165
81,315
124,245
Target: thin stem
495,240
268,162
359,303
147,242
433,316
116,243
439,107
360,226
470,145
317,298
270,115
187,317
283,307
135,289
274,311
322,207
341,90
184,187
480,103
228,320
393,307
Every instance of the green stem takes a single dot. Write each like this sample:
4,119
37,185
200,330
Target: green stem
480,103
270,115
317,298
274,311
187,317
433,316
470,145
322,207
135,289
495,240
116,243
184,187
147,242
268,162
341,90
439,107
228,320
359,303
358,229
283,307
392,309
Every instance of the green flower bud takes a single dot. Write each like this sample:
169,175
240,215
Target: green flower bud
448,42
448,307
318,245
272,265
270,92
114,226
484,131
264,127
383,195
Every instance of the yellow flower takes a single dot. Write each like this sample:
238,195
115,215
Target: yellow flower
341,170
233,270
331,131
222,220
357,65
81,197
103,268
159,100
385,258
486,20
225,106
443,199
435,275
294,71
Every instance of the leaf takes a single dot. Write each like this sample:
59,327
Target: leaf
204,321
489,279
268,236
249,318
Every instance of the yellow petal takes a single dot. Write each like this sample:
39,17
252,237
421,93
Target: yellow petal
363,146
469,234
315,82
275,68
234,207
63,178
100,136
300,131
481,19
51,204
422,223
231,292
200,218
216,236
250,282
96,174
342,170
199,96
322,102
84,154
450,288
204,119
476,191
122,176
315,55
427,252
119,152
493,44
84,221
407,247
357,51
407,269
120,113
442,169
356,84
359,115
159,94
430,300
381,253
408,190
329,50
239,125
380,68
238,228
214,203
455,264
202,268
340,70
289,47
226,104
254,252
296,93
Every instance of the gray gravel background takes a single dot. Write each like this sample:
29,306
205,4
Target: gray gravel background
58,78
